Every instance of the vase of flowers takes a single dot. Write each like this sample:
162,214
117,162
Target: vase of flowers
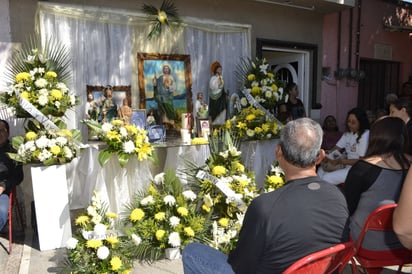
37,75
122,140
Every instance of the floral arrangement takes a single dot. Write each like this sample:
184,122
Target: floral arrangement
275,178
252,124
47,147
163,217
122,140
225,199
97,245
260,83
37,74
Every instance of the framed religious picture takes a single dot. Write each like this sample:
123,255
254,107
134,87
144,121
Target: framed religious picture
96,98
204,127
165,87
138,118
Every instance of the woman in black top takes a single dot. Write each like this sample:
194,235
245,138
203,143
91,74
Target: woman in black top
294,104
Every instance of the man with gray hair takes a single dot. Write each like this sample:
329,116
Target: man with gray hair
280,227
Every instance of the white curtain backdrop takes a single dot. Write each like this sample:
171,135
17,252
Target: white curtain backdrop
103,44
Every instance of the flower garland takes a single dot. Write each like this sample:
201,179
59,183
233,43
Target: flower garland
37,82
97,246
122,140
46,147
163,217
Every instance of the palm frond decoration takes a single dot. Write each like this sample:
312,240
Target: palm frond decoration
54,53
167,16
242,70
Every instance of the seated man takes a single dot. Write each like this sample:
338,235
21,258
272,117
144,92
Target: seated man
282,226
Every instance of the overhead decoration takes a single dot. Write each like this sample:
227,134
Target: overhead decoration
166,16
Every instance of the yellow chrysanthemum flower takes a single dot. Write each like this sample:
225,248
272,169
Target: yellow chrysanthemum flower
30,136
132,129
25,95
218,170
94,243
117,122
223,222
112,240
50,75
113,135
270,75
55,150
136,215
250,117
275,87
116,263
275,180
182,211
255,90
258,130
160,216
189,231
251,77
82,220
22,76
239,167
206,208
111,215
160,234
56,94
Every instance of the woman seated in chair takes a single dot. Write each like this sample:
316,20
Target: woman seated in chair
377,179
350,147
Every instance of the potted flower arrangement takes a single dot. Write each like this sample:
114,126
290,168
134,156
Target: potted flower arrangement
226,191
122,140
38,75
98,244
163,218
46,147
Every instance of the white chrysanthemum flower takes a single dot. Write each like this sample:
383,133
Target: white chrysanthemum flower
250,132
103,252
159,178
107,127
30,145
129,147
136,239
44,155
100,229
62,86
169,200
254,84
96,219
61,141
123,131
68,152
91,211
208,200
189,195
43,100
243,101
148,200
43,92
268,94
174,239
40,83
71,243
174,221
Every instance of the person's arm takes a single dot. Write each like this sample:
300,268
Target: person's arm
402,217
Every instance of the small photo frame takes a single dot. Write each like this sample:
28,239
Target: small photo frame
204,127
138,118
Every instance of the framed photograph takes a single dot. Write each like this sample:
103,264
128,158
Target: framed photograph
204,127
138,118
165,87
95,97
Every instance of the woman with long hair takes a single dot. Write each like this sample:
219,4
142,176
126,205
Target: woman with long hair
350,147
378,178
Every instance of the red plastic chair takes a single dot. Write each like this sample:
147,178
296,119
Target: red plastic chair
13,202
324,261
373,261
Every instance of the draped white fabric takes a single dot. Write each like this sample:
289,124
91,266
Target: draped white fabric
103,45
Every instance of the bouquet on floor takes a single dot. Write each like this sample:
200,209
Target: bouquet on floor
225,189
275,178
39,75
163,217
98,243
122,140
